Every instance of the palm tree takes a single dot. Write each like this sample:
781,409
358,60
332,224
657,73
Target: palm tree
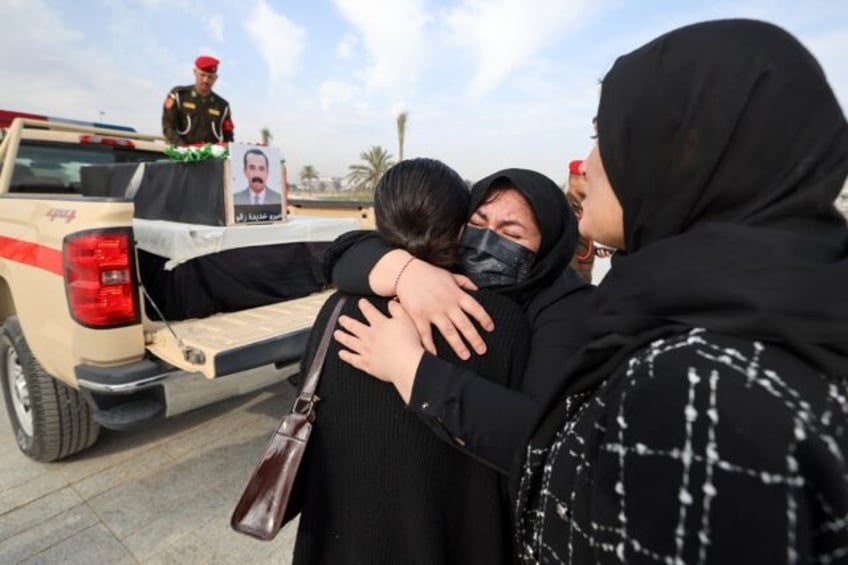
401,129
364,178
266,136
307,175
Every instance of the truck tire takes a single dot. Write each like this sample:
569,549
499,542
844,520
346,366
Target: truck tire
50,420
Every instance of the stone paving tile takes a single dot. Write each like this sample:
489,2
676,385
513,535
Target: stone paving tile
25,492
284,544
160,534
109,451
140,466
215,543
232,471
195,484
187,502
280,548
160,495
218,535
128,508
47,534
213,433
15,467
115,448
37,512
187,550
94,545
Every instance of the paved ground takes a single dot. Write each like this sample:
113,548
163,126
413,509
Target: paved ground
157,496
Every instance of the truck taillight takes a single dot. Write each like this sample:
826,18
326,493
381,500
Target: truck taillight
100,278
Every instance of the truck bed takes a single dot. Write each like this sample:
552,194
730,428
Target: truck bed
226,343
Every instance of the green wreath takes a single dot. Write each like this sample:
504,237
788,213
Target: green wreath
198,152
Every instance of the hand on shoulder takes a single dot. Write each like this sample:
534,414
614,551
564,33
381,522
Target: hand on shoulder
433,296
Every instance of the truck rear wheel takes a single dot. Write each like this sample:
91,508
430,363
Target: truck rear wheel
50,420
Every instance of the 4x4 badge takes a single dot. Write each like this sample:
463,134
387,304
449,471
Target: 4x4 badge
69,215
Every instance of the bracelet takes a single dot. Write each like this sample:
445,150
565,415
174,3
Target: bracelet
400,273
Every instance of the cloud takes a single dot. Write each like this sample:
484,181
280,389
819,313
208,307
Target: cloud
280,41
152,4
502,35
393,32
335,95
57,74
38,30
344,50
216,26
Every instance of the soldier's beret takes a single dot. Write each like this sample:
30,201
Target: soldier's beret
574,167
207,64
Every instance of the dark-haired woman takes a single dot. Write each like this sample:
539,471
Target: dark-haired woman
377,486
706,422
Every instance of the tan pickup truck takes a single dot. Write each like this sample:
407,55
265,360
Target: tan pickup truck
78,347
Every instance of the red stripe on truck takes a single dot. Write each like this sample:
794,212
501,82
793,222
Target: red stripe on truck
32,254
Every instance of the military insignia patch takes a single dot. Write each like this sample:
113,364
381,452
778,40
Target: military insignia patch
169,102
214,111
189,105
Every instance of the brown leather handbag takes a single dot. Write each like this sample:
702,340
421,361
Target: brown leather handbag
261,510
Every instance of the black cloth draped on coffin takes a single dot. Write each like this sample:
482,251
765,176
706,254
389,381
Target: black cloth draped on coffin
227,281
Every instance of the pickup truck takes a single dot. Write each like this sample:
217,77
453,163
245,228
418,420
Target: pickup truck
78,349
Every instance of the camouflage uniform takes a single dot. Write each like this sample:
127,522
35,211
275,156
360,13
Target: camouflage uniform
584,255
189,118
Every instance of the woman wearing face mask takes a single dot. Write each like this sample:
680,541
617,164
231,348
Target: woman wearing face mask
707,421
518,241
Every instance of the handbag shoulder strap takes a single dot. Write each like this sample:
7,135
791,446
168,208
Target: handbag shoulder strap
310,383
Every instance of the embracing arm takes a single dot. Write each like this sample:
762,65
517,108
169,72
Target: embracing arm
351,257
481,417
490,420
361,263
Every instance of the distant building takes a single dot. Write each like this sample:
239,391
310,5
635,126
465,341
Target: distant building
329,184
321,185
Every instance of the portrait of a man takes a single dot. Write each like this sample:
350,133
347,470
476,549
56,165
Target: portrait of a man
257,192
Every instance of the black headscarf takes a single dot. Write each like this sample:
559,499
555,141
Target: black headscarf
549,277
727,149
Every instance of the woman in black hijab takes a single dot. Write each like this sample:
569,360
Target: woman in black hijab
706,422
489,421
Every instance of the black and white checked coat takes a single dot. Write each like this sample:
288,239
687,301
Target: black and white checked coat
702,448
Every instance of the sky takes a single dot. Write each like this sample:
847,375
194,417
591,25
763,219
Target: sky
485,84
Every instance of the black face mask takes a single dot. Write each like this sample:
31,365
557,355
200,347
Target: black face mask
491,260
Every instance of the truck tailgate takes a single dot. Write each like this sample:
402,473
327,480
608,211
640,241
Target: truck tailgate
237,341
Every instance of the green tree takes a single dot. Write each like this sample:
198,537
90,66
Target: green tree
308,175
401,130
266,136
364,178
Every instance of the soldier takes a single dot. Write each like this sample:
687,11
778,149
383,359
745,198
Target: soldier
194,114
584,255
